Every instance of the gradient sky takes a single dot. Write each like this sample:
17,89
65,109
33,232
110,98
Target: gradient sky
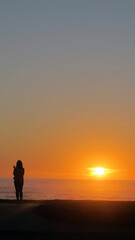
67,87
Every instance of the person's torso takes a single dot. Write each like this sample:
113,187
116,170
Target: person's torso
18,174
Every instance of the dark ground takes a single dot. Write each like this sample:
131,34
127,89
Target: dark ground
65,219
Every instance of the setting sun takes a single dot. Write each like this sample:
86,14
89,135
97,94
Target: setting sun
98,171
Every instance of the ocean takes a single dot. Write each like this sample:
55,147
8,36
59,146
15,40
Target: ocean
41,189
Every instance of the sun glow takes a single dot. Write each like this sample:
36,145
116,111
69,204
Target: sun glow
98,171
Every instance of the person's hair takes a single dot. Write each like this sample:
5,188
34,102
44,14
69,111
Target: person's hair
19,164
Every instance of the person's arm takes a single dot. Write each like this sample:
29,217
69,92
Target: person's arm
14,170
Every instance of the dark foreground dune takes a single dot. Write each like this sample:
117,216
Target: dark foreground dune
65,219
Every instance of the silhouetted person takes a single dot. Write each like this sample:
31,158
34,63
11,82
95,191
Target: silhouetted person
18,179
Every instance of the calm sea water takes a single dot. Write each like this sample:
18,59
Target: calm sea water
40,189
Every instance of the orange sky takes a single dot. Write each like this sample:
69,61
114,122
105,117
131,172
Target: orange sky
62,142
67,153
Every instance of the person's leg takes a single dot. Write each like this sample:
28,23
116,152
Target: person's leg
17,190
21,195
21,192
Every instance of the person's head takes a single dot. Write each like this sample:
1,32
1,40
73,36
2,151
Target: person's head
19,164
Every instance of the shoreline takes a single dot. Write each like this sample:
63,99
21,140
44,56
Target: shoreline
64,200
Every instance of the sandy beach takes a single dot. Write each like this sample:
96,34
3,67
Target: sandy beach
67,219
